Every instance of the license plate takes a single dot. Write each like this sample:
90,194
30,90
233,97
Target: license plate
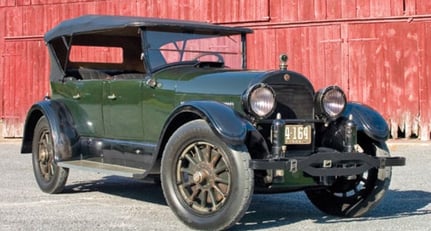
297,134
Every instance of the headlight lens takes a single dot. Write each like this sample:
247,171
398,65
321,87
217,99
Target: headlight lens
260,100
331,102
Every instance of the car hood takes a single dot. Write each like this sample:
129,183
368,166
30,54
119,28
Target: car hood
222,81
210,81
223,85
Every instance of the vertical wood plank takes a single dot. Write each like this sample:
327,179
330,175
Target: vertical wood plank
397,7
348,8
425,85
3,53
306,10
423,7
380,8
284,10
5,3
363,8
315,56
334,10
410,6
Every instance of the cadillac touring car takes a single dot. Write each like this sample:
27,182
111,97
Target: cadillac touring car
174,101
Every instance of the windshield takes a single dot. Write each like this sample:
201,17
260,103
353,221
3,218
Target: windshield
170,48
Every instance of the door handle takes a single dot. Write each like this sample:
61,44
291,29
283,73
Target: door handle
77,96
112,97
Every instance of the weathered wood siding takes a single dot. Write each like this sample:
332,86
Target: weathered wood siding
374,49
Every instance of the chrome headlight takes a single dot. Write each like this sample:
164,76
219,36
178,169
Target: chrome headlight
330,102
259,100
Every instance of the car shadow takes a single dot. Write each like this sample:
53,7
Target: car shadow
146,191
267,210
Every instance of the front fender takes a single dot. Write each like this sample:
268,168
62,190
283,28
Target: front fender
64,136
367,120
224,121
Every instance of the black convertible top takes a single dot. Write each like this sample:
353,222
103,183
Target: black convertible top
92,23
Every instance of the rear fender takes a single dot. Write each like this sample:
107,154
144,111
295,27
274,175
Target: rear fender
63,134
368,121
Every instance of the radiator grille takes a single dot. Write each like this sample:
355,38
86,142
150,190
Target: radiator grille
293,102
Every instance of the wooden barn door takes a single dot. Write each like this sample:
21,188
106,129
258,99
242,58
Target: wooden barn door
386,70
25,79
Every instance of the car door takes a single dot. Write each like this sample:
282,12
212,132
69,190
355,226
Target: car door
83,99
122,107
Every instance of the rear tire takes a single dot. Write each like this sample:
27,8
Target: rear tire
49,176
206,183
355,196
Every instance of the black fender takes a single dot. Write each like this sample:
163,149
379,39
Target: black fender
230,126
367,120
64,136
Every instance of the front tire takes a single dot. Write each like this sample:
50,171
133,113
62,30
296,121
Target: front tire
206,183
49,176
355,196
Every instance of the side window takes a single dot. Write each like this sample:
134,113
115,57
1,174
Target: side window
105,57
94,62
96,54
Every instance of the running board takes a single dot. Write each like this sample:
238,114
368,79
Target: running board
102,168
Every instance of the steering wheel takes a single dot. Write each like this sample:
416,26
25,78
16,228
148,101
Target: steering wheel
220,58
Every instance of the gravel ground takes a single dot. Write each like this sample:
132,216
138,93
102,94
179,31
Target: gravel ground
101,202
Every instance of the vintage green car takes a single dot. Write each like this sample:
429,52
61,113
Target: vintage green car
173,101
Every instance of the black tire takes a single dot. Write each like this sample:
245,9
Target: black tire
49,176
355,196
206,183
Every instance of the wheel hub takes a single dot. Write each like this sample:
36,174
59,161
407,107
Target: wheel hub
203,175
43,154
199,177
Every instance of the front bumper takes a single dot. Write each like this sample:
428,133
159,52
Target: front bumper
329,163
325,162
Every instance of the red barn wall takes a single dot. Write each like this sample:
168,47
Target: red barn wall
374,49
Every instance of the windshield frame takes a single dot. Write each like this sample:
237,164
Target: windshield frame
146,45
